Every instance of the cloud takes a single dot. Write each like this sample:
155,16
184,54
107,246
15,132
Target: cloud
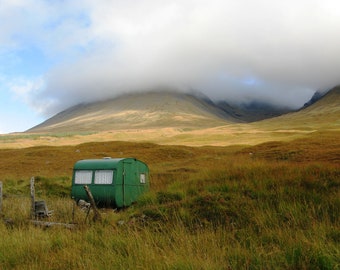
274,51
23,90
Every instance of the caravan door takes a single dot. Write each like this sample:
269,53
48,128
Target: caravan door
127,185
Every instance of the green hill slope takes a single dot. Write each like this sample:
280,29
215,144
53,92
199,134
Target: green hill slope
140,110
321,115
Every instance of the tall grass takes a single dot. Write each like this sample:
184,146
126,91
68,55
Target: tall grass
208,208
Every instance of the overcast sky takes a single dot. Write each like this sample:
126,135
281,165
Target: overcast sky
55,54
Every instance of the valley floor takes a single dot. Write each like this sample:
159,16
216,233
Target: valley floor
249,200
235,134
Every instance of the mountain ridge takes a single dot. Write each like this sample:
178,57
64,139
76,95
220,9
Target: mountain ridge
163,109
169,109
322,114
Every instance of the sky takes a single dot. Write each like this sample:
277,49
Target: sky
58,53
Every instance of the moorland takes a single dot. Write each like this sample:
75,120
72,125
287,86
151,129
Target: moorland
262,195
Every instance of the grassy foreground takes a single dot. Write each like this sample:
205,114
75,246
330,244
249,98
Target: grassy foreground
271,206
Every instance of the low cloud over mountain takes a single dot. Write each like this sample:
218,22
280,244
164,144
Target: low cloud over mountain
277,52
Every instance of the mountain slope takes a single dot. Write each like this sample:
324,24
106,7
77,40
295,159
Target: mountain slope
252,112
157,110
322,114
140,110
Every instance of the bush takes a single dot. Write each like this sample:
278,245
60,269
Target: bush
168,197
209,208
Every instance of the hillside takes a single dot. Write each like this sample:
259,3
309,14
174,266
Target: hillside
154,110
139,110
252,112
168,118
320,115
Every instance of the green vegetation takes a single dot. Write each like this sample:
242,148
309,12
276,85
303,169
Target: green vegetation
33,136
271,206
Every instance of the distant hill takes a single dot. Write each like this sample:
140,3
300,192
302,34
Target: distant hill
326,103
139,110
317,95
252,112
322,112
185,112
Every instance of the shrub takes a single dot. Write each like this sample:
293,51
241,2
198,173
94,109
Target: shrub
168,197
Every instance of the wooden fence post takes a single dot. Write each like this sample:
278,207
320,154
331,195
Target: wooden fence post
32,198
0,198
97,215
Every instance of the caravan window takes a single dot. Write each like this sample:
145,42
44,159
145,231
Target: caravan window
103,177
142,178
83,177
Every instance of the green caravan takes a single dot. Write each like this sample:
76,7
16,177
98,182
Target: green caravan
115,182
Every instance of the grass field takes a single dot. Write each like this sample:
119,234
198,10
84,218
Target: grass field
268,205
228,135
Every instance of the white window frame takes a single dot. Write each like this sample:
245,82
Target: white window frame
103,177
83,177
142,178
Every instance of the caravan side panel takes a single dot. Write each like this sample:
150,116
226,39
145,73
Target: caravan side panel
136,180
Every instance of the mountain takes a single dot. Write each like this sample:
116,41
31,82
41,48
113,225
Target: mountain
317,95
251,112
328,102
322,113
139,110
188,112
